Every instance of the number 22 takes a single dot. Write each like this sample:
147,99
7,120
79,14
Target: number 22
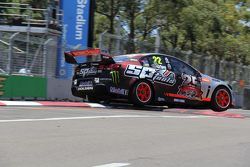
157,60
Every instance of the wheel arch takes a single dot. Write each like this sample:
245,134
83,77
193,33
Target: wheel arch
213,106
222,86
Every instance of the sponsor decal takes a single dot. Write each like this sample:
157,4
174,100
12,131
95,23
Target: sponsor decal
85,85
191,87
75,82
169,67
97,80
88,71
179,100
105,79
160,76
115,77
119,91
174,95
161,99
168,79
85,88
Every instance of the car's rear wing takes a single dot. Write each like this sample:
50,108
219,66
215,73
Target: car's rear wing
70,57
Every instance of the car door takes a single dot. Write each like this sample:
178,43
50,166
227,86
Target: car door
163,78
188,80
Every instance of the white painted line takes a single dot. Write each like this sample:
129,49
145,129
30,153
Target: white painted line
20,103
114,165
96,105
100,117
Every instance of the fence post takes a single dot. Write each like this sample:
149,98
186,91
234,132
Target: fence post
10,52
101,39
28,36
157,41
45,56
47,18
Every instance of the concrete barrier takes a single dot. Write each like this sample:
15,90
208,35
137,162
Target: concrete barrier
60,89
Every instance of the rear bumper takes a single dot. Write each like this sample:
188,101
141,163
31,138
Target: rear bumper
93,88
98,90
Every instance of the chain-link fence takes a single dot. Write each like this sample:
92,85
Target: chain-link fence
23,54
29,39
117,45
20,14
236,74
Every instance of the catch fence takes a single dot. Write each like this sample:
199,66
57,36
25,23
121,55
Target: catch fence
29,39
238,75
28,55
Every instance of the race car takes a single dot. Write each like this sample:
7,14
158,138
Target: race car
145,79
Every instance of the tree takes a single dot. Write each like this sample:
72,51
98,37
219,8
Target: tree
210,27
109,9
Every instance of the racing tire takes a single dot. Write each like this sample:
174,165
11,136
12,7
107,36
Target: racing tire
142,93
221,99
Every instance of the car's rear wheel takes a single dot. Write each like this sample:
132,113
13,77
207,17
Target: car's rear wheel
142,93
93,99
221,99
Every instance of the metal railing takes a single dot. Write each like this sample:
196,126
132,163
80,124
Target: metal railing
18,14
26,52
41,59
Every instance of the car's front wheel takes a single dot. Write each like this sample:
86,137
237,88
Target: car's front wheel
142,93
221,99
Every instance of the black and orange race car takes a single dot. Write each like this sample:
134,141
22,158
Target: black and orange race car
143,79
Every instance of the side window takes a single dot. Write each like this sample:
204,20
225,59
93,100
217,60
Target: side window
157,61
168,65
181,67
144,62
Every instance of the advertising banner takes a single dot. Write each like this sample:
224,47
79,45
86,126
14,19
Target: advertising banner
75,32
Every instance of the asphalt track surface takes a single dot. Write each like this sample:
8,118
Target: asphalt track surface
121,135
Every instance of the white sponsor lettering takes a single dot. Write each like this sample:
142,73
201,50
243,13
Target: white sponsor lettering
85,88
88,71
161,99
160,76
80,21
179,100
86,83
118,91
